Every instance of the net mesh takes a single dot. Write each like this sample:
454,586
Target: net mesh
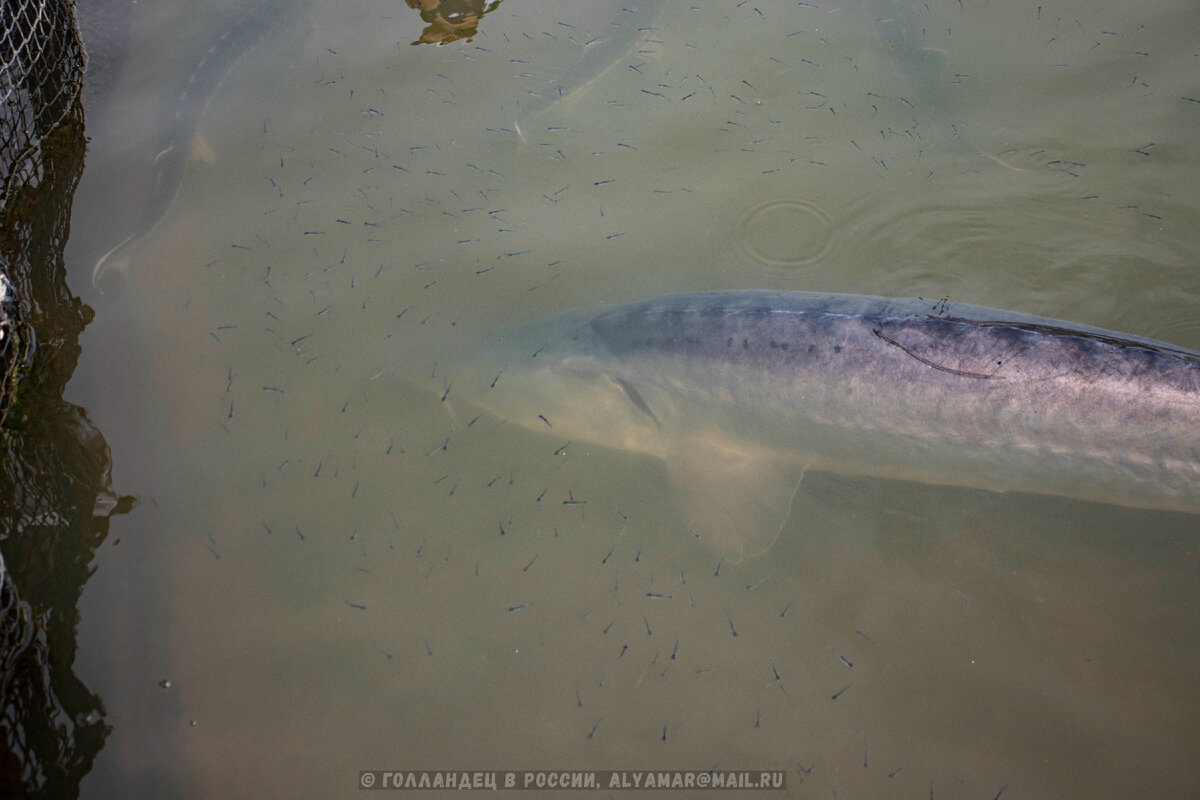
54,500
42,61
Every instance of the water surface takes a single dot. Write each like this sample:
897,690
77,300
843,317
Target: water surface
335,569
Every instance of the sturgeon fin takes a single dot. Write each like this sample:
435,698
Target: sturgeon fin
202,151
636,399
736,498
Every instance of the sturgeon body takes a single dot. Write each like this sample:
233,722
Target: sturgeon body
741,391
173,145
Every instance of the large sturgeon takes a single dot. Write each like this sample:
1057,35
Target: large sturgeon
740,392
173,144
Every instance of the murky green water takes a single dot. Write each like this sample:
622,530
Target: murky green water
336,570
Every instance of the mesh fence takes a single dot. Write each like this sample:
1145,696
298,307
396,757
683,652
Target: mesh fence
42,62
54,473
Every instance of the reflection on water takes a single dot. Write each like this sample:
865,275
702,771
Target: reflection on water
365,571
56,496
449,21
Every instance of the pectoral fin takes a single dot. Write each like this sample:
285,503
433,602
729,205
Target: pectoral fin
201,151
736,498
